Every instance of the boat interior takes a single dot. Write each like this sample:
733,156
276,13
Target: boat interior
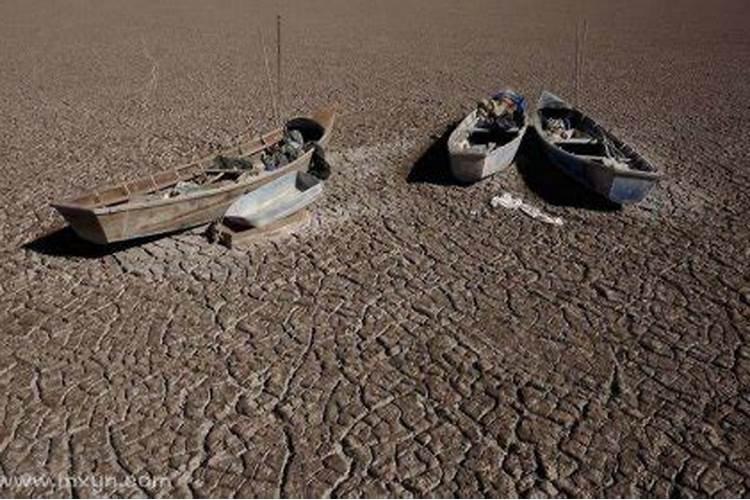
491,137
487,135
578,135
166,184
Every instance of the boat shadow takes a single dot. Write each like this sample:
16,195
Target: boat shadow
433,165
64,242
552,185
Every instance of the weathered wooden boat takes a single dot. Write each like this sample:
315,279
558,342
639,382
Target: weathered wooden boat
479,149
280,198
584,150
193,194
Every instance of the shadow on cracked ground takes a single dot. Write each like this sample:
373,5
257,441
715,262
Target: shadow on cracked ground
64,242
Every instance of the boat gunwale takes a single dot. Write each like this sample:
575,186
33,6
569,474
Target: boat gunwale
196,195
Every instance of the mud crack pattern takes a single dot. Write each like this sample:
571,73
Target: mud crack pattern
411,340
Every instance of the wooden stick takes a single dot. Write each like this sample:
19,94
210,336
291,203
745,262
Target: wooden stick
278,60
268,77
575,66
583,51
581,31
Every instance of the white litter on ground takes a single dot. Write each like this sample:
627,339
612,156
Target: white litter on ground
511,202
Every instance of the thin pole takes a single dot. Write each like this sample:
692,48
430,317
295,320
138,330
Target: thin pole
576,62
581,32
268,77
584,32
278,60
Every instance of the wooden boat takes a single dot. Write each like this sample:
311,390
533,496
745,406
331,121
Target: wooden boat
588,153
158,203
276,200
477,152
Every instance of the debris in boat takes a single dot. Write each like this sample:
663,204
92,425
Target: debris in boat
291,147
182,187
511,202
504,111
560,129
230,163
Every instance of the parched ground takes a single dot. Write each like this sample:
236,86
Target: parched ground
411,340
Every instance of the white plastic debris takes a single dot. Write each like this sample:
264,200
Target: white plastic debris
511,202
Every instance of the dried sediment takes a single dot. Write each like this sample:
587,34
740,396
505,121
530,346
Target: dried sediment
411,341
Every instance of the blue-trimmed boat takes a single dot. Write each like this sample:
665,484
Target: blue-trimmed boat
584,150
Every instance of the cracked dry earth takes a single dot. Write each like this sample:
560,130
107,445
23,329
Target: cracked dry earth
411,340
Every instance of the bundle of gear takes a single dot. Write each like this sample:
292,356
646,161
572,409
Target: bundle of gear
504,111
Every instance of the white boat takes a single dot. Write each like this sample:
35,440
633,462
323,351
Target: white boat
479,149
275,200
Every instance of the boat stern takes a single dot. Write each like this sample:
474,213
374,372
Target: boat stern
84,223
467,167
628,190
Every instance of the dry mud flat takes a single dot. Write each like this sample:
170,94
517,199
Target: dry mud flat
412,341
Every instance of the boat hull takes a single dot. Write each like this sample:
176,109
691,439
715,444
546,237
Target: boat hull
150,220
274,201
132,220
619,185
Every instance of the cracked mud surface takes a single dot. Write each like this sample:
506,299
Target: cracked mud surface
411,340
